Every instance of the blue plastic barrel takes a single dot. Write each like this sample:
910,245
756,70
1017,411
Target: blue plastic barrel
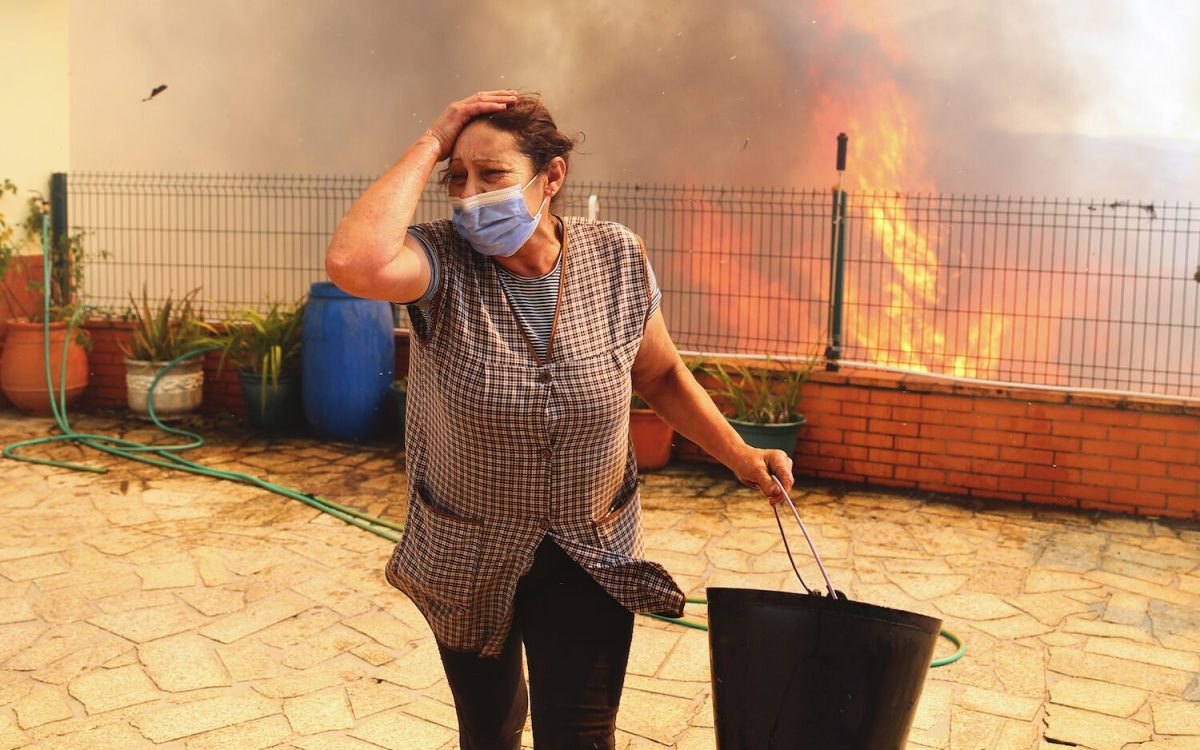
348,362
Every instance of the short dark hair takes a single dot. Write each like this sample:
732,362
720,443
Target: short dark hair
532,125
537,136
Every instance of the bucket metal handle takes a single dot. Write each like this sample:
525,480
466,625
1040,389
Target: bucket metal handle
833,594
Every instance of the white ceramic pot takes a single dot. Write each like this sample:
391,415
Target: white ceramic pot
178,392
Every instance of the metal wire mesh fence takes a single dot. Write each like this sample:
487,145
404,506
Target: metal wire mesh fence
244,240
1048,292
743,271
1077,293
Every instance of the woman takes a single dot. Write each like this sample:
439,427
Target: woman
524,524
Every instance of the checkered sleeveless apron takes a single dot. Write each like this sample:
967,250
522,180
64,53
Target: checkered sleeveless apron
504,449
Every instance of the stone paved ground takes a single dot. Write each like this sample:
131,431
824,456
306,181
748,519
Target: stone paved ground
146,609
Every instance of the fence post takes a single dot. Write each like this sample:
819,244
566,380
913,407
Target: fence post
593,207
59,231
837,265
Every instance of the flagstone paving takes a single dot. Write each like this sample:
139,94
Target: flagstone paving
148,609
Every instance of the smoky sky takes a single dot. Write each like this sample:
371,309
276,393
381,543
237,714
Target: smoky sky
1015,98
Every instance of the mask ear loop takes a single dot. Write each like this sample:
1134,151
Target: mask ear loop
545,198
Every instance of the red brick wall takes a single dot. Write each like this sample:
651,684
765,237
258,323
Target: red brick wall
106,372
1076,450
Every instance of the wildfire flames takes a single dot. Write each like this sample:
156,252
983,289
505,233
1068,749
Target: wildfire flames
885,163
913,298
901,334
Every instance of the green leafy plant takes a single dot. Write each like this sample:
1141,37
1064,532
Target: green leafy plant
761,394
267,344
68,257
8,245
166,331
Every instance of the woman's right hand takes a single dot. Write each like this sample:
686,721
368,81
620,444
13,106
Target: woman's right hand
451,122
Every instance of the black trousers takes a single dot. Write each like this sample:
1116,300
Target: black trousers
576,639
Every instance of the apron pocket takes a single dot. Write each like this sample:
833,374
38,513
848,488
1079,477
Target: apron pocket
620,529
440,551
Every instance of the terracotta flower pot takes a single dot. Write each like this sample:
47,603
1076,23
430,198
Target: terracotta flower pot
4,402
651,439
23,368
16,299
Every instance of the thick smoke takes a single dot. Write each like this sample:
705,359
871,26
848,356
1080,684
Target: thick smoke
1020,98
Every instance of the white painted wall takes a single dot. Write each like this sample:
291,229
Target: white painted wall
34,127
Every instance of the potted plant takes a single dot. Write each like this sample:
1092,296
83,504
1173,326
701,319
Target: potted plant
161,334
35,311
651,436
761,401
265,349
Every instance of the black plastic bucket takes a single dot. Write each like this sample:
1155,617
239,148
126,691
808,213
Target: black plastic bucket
793,671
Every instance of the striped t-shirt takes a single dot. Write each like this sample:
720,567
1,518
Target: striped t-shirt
533,300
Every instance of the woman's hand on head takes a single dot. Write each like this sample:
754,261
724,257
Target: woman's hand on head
451,122
756,467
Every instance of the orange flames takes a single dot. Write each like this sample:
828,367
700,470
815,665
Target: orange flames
902,328
725,254
914,299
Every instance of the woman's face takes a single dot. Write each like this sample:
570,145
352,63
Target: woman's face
485,159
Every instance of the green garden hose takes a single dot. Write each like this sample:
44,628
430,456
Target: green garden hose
164,456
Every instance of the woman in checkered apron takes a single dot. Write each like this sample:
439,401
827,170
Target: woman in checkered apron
523,532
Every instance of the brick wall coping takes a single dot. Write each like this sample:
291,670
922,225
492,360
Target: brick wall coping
926,383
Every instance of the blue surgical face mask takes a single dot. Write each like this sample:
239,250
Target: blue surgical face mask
496,223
